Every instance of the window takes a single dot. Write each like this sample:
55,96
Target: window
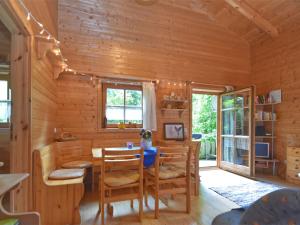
5,103
122,104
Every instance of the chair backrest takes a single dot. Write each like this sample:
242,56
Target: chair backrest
174,155
45,161
74,150
114,160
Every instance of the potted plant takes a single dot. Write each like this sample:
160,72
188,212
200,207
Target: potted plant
146,138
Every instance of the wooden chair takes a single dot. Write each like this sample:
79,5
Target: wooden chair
57,201
196,146
121,178
171,175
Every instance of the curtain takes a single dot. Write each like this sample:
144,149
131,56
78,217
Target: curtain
149,106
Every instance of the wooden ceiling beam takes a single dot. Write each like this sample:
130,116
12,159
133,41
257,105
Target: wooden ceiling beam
247,11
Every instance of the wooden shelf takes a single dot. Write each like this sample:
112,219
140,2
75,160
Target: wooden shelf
266,104
265,120
178,110
174,100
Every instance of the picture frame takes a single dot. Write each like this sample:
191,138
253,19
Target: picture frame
174,131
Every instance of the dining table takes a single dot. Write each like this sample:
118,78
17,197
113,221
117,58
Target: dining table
149,154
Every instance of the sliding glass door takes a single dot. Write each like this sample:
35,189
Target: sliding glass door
235,134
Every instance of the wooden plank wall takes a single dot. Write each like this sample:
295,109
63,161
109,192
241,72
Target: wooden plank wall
46,11
77,112
44,102
43,89
276,65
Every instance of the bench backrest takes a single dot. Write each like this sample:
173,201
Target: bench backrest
45,160
74,150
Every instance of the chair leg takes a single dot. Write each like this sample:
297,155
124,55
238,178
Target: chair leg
156,201
102,213
102,210
141,195
141,210
188,198
146,192
131,203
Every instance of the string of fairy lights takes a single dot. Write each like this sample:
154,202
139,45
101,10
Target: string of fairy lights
44,33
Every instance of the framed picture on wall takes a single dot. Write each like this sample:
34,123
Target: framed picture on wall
174,131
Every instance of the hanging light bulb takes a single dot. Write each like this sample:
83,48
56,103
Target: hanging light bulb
49,36
40,24
28,16
42,31
56,51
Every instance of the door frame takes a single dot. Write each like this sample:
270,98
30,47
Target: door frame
239,169
20,140
206,89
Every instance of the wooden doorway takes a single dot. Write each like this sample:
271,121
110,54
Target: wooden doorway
19,123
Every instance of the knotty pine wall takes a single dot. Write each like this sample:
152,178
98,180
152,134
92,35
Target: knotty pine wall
43,86
44,102
276,65
78,109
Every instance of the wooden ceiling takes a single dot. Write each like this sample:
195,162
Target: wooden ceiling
281,14
182,39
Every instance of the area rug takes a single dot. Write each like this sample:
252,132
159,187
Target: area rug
245,194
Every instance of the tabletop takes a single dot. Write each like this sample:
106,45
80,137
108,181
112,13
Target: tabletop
9,181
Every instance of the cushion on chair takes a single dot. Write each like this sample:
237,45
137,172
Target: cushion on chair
120,179
11,221
65,174
169,171
77,165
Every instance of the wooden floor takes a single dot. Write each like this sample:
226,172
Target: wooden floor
204,208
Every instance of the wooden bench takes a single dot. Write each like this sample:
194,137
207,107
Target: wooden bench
57,201
76,154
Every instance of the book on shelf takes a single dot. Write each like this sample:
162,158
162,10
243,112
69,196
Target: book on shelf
263,99
261,115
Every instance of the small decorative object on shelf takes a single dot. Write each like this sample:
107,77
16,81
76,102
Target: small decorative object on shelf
60,135
146,138
121,125
173,103
129,145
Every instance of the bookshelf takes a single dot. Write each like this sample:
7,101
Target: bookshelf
265,123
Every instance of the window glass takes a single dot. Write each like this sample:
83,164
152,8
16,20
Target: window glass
124,105
3,90
4,103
